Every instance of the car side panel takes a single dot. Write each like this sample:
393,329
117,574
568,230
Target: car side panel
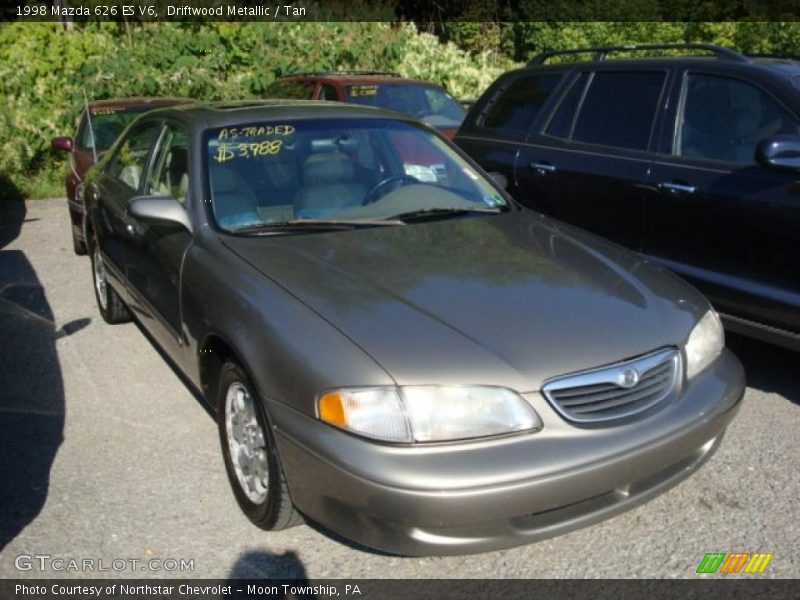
597,189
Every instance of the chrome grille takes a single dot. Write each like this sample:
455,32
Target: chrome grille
616,391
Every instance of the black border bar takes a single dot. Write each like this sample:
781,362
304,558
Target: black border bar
733,587
398,10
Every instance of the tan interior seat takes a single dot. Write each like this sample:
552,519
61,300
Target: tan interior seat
329,183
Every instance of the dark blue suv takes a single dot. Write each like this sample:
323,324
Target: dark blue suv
693,161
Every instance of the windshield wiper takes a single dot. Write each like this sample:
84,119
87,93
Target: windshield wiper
315,224
426,213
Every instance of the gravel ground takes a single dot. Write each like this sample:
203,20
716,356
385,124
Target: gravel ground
107,455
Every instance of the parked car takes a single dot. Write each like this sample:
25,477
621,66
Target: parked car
416,362
108,118
691,160
422,99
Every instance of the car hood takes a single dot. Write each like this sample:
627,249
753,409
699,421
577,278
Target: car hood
508,300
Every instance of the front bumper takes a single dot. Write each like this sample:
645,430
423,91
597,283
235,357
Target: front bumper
461,498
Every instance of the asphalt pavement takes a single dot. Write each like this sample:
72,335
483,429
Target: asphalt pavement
107,456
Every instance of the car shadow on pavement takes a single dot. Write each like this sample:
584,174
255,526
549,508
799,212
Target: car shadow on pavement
768,368
261,564
31,387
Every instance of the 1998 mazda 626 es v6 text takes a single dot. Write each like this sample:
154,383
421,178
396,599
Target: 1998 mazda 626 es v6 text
394,348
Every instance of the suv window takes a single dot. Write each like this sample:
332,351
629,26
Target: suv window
293,90
562,120
170,175
724,119
619,109
519,104
130,157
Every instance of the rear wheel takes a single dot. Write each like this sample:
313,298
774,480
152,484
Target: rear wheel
251,457
110,305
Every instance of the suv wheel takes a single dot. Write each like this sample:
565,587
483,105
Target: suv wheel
251,458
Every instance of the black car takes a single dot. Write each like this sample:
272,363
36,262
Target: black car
692,160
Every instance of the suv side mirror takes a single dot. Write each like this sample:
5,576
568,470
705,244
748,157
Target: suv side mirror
162,209
62,143
779,152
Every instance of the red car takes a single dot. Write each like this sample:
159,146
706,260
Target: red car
109,118
424,100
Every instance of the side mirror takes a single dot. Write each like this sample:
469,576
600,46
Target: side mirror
780,152
162,209
62,143
499,179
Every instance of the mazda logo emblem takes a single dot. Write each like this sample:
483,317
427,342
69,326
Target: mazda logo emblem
628,378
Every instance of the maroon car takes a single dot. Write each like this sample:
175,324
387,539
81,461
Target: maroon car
109,118
424,100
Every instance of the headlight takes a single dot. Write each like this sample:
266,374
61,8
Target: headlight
704,344
427,413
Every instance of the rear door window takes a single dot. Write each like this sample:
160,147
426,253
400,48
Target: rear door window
520,103
564,117
619,109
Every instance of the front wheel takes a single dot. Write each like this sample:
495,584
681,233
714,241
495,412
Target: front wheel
110,305
251,457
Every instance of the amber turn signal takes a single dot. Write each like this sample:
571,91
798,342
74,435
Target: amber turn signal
331,409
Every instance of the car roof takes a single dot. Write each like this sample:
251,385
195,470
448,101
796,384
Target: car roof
729,59
355,77
138,101
227,114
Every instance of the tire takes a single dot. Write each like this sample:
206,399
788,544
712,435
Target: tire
78,246
110,305
258,483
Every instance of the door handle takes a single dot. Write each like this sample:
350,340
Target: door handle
543,168
677,187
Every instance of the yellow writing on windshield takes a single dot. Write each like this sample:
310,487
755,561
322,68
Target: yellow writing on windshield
226,152
255,131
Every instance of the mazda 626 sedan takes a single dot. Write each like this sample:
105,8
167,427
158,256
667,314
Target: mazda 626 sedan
394,348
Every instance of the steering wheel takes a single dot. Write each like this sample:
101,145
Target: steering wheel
383,187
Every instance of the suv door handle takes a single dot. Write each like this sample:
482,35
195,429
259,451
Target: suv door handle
543,168
677,187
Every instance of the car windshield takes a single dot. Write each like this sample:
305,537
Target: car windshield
107,124
427,102
275,175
